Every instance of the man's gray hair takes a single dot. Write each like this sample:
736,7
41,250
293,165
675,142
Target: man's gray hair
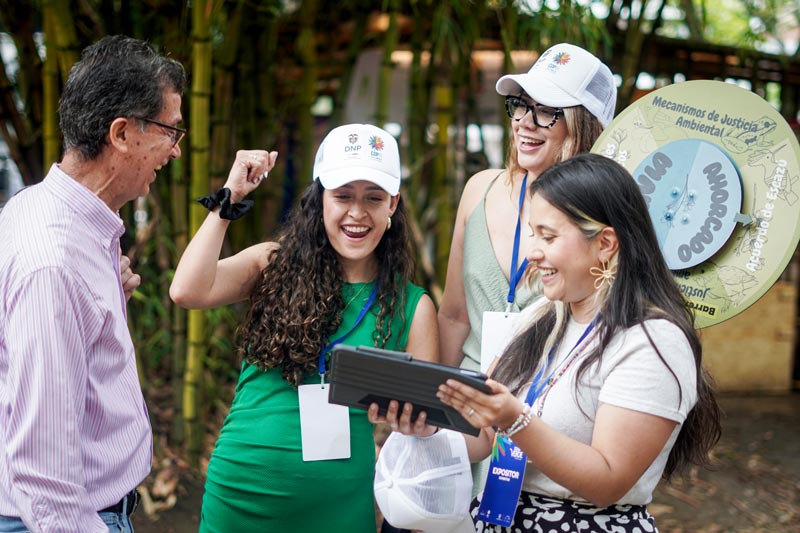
115,77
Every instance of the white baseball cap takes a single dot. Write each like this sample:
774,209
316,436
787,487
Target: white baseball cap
425,483
566,75
358,152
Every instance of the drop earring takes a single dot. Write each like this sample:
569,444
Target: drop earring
603,275
389,224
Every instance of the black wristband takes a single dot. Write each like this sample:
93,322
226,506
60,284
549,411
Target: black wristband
222,198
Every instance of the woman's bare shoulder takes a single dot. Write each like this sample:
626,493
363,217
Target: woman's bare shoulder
476,186
482,179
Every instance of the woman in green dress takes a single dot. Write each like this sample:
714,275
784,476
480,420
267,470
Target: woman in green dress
340,271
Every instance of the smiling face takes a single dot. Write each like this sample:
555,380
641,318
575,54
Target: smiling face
564,255
152,147
537,148
355,217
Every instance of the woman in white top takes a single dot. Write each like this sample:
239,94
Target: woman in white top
602,388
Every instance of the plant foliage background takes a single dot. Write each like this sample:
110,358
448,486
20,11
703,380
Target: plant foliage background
277,75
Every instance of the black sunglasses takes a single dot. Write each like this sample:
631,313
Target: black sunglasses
543,116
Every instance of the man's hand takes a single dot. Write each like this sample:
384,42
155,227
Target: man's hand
130,281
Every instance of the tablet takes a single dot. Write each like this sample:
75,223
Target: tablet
363,375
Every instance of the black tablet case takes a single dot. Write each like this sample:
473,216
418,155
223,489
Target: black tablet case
364,375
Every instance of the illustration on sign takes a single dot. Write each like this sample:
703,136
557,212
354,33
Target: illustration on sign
718,167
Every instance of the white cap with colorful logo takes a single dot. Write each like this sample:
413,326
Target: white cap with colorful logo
358,152
566,75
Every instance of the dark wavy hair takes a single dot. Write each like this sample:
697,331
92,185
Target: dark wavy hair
297,304
594,191
115,77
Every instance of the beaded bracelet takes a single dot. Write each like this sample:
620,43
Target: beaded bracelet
222,197
520,423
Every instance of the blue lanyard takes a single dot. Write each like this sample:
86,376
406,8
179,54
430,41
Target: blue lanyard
339,339
516,273
538,384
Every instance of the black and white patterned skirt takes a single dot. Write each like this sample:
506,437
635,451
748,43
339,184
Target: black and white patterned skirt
543,514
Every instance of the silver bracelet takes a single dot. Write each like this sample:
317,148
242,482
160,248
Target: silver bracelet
520,423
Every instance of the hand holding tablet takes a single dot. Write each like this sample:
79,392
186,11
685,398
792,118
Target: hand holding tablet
361,376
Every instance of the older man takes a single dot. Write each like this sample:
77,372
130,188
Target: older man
75,438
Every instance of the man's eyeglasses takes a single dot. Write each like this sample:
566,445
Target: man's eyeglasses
176,133
543,116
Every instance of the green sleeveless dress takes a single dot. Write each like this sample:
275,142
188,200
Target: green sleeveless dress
257,480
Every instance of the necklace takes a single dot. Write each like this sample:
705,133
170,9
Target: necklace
565,366
356,295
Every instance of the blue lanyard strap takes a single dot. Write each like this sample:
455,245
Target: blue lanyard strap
538,384
516,273
339,339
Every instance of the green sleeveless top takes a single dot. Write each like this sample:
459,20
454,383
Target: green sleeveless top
257,479
485,284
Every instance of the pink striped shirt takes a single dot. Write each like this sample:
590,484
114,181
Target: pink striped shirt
75,435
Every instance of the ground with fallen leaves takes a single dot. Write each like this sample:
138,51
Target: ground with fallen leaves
755,486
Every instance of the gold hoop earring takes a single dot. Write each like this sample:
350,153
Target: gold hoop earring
604,275
389,224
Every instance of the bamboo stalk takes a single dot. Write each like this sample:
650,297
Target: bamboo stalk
67,47
179,211
307,90
385,75
199,147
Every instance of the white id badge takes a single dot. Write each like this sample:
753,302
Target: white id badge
324,427
497,331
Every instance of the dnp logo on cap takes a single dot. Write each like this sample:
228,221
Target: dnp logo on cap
359,152
352,150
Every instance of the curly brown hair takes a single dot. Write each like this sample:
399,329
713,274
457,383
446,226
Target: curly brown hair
297,304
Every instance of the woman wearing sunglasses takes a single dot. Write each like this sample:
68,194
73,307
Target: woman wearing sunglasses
556,110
